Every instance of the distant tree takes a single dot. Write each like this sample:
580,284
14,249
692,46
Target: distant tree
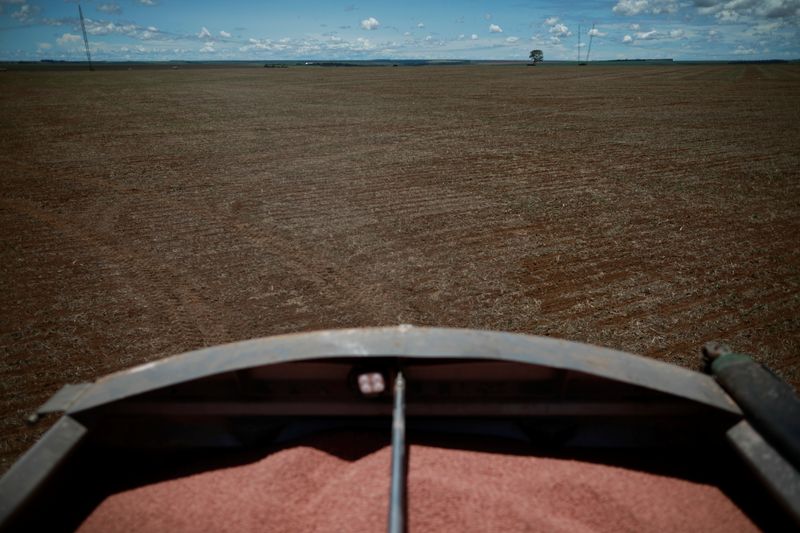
537,56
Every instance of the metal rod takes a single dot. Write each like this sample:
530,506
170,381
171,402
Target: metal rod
397,498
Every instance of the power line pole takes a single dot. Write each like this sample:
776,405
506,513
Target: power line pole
85,38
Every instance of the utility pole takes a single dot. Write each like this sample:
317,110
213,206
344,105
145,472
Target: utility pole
85,38
591,36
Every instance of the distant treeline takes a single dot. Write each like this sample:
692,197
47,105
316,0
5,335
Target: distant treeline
759,61
335,64
659,60
388,62
59,64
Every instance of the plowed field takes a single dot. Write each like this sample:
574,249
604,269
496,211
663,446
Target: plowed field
146,213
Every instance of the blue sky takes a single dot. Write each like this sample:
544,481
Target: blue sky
263,30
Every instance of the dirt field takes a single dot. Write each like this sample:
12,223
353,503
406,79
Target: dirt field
146,213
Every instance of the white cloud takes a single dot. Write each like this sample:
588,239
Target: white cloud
560,30
44,46
370,23
647,35
725,11
596,32
742,51
110,8
257,44
363,44
204,33
652,35
728,15
557,30
766,28
474,37
26,12
94,27
494,28
148,2
735,10
636,7
420,25
224,34
208,48
634,27
333,46
512,39
68,38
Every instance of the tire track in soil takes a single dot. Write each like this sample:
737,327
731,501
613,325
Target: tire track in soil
703,73
190,317
465,226
305,266
564,304
727,325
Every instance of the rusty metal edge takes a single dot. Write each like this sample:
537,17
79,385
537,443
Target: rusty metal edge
408,342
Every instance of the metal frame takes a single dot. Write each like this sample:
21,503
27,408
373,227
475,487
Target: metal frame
27,476
407,341
677,392
772,469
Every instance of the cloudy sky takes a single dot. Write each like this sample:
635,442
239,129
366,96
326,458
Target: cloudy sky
316,29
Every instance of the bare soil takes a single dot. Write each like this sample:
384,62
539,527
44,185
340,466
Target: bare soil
145,213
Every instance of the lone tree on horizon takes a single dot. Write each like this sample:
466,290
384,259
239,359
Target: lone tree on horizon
537,56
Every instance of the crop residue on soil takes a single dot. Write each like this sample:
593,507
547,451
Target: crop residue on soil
147,213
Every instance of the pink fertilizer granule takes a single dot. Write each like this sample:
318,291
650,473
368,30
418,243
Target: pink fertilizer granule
339,482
